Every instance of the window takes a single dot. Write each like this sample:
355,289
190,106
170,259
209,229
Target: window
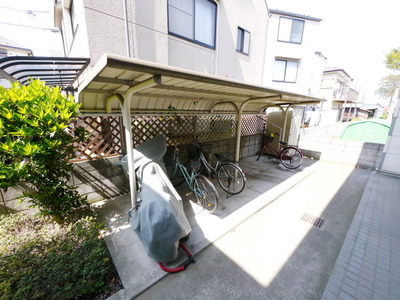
243,41
290,30
194,20
285,70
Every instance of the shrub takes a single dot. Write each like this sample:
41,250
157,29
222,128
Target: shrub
36,146
41,259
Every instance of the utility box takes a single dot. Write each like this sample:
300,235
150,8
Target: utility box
275,124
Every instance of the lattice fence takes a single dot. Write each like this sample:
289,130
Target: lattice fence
253,124
105,135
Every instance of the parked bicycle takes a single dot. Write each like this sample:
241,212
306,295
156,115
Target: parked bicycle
230,177
205,192
290,156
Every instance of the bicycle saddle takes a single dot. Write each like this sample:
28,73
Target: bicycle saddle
283,143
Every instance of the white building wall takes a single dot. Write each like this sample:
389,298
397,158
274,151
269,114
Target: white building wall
310,64
391,153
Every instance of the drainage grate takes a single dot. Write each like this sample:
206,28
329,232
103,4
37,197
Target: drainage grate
315,221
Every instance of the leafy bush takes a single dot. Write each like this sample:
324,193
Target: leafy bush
41,259
36,146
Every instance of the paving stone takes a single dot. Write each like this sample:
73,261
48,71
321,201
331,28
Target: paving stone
368,267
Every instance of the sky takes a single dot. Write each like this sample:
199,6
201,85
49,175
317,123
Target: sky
355,35
29,23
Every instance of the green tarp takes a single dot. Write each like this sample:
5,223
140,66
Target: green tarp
371,131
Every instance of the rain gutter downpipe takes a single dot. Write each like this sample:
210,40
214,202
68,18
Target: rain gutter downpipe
125,102
127,35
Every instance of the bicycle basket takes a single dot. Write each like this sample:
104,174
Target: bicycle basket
193,151
268,137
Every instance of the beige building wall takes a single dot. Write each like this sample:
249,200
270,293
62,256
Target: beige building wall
97,27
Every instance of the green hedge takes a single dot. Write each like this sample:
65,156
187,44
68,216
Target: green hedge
41,259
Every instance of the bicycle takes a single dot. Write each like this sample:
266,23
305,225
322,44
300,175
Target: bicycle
289,156
230,177
205,192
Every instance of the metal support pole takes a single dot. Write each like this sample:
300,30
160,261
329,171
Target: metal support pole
125,102
239,120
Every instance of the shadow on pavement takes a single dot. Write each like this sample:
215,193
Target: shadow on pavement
274,254
266,180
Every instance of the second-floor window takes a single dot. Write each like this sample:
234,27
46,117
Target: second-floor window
243,41
290,30
194,20
285,70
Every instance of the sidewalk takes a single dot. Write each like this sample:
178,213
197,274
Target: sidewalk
368,266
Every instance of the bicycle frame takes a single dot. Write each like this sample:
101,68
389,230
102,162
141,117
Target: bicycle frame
189,178
209,167
276,153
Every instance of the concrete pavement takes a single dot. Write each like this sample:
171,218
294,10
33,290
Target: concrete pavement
266,180
274,254
263,243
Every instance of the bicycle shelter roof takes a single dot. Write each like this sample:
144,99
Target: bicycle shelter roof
128,86
176,90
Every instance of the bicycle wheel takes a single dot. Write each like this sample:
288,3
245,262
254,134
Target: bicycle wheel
175,175
291,157
206,194
231,178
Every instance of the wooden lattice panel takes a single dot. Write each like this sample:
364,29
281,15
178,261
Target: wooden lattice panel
176,129
103,137
252,124
215,127
105,134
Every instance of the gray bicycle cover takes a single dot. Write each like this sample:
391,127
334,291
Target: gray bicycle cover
160,221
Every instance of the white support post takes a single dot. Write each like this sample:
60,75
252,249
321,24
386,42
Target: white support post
239,120
125,102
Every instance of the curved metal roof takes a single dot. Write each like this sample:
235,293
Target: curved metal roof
55,71
175,90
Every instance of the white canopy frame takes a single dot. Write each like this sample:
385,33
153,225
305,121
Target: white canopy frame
141,87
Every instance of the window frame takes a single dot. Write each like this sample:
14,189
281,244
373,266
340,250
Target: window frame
3,52
193,40
240,47
285,70
291,30
73,18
